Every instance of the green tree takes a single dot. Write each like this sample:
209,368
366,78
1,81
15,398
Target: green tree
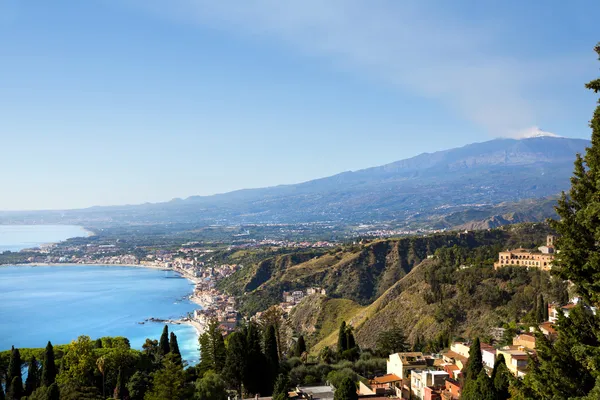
48,366
174,346
346,390
15,390
168,383
79,364
33,377
120,392
475,362
14,376
98,343
300,346
212,347
501,378
281,387
138,385
271,353
480,389
342,344
235,362
210,387
163,345
255,382
350,341
53,392
392,341
540,309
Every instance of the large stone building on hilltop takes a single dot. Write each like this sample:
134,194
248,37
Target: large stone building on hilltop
541,259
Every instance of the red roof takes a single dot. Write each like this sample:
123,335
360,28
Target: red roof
386,378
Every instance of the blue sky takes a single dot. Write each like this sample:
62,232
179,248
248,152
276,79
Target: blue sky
127,101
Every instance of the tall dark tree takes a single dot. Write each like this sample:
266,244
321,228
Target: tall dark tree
163,344
98,343
256,363
346,390
212,348
174,347
300,346
120,392
475,363
481,388
2,393
235,363
271,353
14,371
540,309
138,385
342,344
501,378
53,392
48,366
350,341
15,390
33,377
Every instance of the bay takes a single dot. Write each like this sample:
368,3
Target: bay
59,303
19,237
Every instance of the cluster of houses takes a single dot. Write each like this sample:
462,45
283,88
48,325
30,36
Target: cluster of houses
415,375
290,299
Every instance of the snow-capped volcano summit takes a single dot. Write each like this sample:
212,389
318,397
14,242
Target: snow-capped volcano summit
535,132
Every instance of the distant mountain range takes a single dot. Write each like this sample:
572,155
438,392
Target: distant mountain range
422,189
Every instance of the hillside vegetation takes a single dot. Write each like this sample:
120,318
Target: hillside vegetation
363,272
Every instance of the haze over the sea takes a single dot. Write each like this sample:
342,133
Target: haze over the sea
19,237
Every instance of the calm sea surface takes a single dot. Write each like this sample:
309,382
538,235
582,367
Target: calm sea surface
18,237
59,303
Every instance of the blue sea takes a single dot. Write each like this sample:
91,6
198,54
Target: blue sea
18,237
59,303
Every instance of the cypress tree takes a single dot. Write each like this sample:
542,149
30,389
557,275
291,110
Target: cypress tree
33,377
475,363
15,391
342,344
53,392
480,388
212,348
14,371
255,363
500,378
281,388
48,366
346,390
98,343
271,352
300,346
120,390
163,344
235,363
1,392
174,346
546,316
350,342
540,310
